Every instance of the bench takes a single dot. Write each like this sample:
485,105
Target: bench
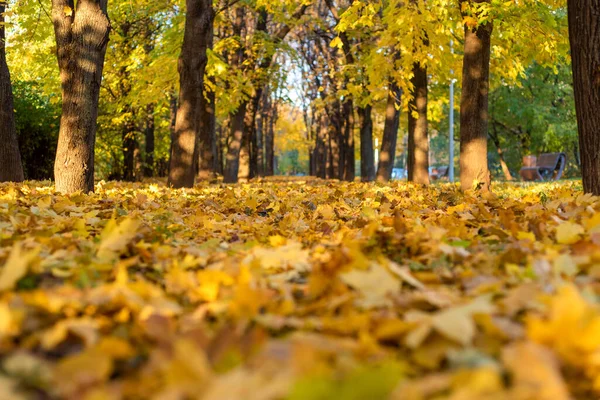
548,167
441,173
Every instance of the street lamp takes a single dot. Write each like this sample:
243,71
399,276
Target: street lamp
451,123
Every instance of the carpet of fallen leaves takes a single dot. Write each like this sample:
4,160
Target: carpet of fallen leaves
299,290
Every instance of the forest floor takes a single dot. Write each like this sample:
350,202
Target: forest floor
299,290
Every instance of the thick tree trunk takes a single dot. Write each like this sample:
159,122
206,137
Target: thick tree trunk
367,155
232,160
192,63
418,143
11,169
253,105
584,34
150,143
387,155
474,172
237,139
207,138
207,135
81,40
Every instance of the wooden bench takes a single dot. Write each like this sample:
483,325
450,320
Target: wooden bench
548,167
441,173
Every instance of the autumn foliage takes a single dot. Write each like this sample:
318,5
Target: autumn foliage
299,290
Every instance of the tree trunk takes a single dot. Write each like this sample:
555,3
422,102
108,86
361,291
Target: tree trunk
166,164
418,143
270,141
129,147
11,169
220,146
584,34
496,140
245,172
138,164
237,140
348,168
474,172
261,119
252,134
149,135
367,155
207,135
387,155
337,121
232,160
207,138
254,103
192,63
321,148
260,144
81,40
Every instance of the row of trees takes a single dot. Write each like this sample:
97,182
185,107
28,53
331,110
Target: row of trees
356,62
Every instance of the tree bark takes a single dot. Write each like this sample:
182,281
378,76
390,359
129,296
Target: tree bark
349,157
260,143
418,143
387,155
232,160
129,148
245,171
11,169
150,142
270,141
192,63
208,138
474,172
81,39
207,135
237,140
367,155
321,148
584,35
503,165
254,103
220,146
165,165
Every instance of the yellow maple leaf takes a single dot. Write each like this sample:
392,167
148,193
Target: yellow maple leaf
455,323
115,237
374,284
569,233
16,266
535,371
337,42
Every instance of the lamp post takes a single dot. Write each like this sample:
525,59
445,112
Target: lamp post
451,123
